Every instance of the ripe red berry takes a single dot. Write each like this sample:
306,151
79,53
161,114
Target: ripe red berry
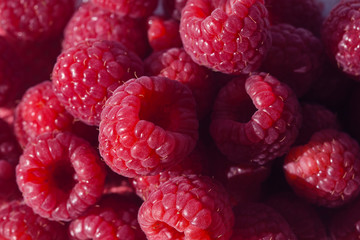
187,207
227,36
148,125
326,170
130,8
86,75
255,120
60,176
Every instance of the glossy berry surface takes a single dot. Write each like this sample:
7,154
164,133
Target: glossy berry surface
60,176
255,120
227,36
148,125
131,8
325,171
85,76
187,207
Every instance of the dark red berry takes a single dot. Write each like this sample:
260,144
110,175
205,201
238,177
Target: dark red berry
86,75
255,120
130,8
148,125
60,176
187,207
326,170
227,36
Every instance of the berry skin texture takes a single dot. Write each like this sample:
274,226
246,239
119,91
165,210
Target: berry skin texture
91,21
326,170
187,207
34,20
113,217
130,8
176,64
60,176
257,221
86,75
227,36
148,125
340,35
18,221
295,57
40,111
255,120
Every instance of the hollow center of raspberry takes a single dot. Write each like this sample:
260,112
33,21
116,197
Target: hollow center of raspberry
64,177
170,232
158,112
244,111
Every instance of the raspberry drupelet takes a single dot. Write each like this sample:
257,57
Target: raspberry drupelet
40,111
255,119
130,8
340,34
185,208
85,75
91,21
148,125
34,20
113,217
326,170
60,176
18,221
228,36
176,64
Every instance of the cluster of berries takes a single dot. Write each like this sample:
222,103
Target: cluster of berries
179,120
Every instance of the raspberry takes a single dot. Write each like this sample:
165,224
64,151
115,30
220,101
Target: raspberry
299,13
259,221
227,36
148,125
60,176
302,217
255,120
113,217
163,34
34,20
326,170
18,221
85,76
187,207
174,8
130,8
295,57
91,21
315,118
40,111
177,65
340,35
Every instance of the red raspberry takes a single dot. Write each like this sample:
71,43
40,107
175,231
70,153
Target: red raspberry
60,176
148,125
85,76
187,207
177,65
34,20
130,8
302,217
227,36
315,118
344,224
255,120
40,111
340,35
258,221
145,185
299,13
295,57
325,171
18,221
91,21
163,34
174,8
113,217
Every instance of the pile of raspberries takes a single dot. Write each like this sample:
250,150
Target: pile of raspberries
179,120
